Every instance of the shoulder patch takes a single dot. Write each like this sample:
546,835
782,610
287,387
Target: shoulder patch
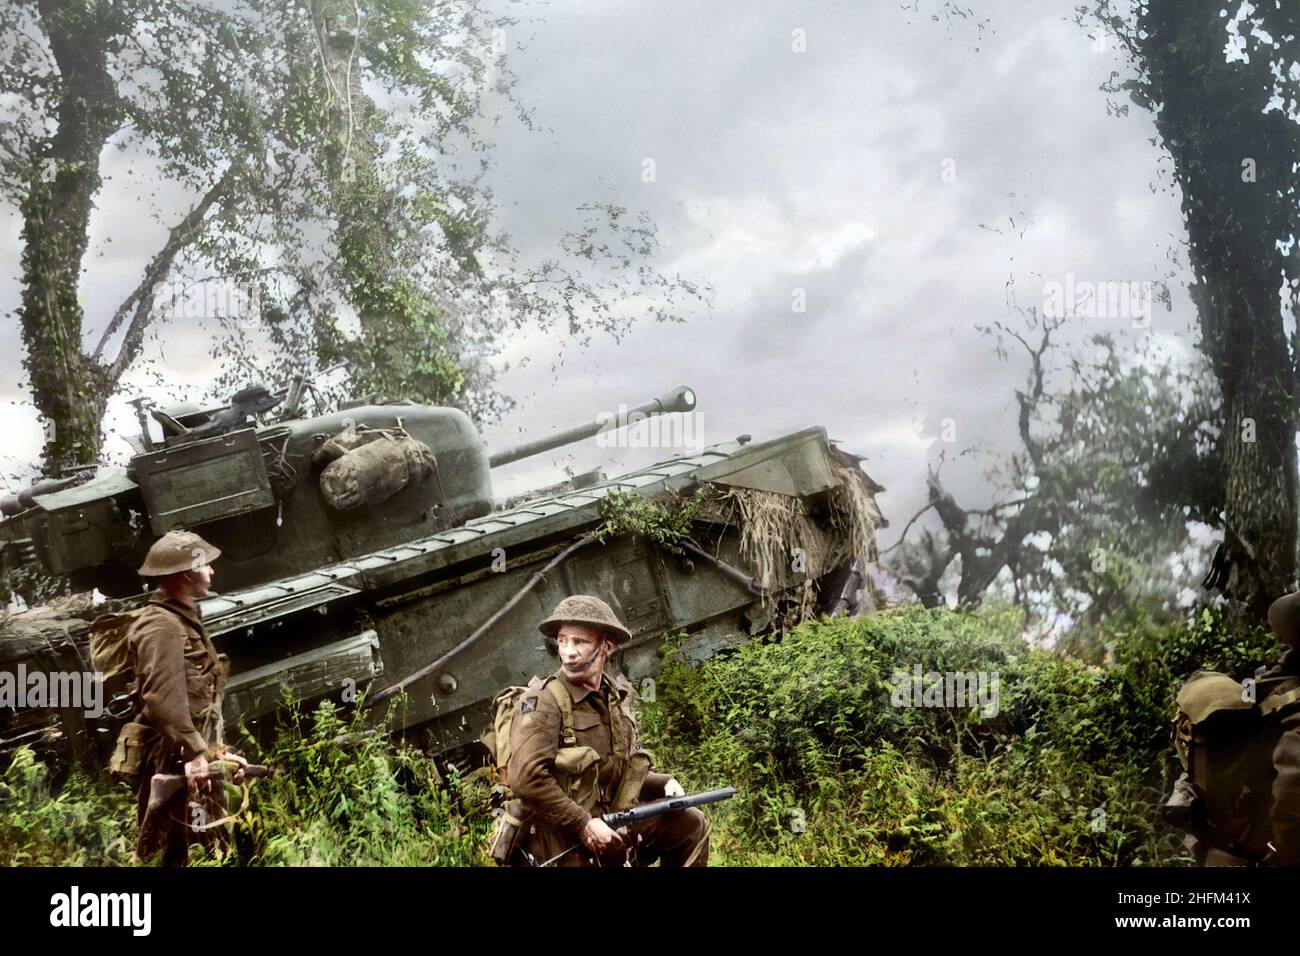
529,704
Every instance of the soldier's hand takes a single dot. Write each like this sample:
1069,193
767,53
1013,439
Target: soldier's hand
239,762
673,789
196,772
598,837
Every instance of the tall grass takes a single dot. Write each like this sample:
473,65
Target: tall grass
830,771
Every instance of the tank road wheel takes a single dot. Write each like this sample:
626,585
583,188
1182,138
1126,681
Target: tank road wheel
843,591
462,760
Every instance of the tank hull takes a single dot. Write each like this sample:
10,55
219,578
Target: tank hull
374,619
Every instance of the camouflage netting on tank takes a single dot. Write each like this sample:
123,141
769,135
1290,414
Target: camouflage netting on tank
781,537
854,511
772,527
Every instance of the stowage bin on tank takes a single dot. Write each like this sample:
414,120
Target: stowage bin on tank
327,600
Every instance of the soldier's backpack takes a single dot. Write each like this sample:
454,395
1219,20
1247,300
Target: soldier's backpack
1221,735
511,817
504,707
109,654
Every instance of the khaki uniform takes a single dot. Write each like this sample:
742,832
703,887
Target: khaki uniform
678,839
180,679
1277,791
1266,808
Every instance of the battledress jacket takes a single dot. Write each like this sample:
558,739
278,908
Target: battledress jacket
535,738
180,679
1282,818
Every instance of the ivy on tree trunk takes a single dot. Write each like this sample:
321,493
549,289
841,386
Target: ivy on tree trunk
69,389
1233,162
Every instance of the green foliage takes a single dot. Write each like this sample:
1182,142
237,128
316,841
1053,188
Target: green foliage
1068,772
32,584
342,797
626,512
334,158
1067,769
86,823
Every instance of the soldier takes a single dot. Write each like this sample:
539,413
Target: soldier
179,683
567,784
1283,677
1243,807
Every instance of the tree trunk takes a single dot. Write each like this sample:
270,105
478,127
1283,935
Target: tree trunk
1233,164
1260,479
70,390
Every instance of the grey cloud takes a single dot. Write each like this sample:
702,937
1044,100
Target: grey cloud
779,169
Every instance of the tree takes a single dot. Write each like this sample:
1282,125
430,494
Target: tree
1118,452
1230,125
336,173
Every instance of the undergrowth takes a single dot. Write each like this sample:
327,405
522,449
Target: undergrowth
830,769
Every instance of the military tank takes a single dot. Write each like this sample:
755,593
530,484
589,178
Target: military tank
435,587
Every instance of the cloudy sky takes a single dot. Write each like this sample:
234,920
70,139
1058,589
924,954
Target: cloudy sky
914,178
824,170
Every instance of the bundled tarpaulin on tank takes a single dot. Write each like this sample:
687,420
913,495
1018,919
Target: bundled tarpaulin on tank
370,465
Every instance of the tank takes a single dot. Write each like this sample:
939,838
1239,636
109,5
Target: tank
435,591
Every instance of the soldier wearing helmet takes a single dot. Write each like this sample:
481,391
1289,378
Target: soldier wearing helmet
569,768
179,678
1239,798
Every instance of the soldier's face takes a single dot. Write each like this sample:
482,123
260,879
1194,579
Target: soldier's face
199,581
582,650
189,584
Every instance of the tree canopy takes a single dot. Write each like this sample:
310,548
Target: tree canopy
335,160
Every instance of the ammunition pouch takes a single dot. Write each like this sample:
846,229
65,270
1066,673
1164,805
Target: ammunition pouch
128,755
635,771
577,769
508,832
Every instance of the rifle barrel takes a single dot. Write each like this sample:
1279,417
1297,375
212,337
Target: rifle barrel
668,805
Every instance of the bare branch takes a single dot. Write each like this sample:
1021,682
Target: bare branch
141,300
907,527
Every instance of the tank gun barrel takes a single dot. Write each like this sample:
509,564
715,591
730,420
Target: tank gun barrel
680,399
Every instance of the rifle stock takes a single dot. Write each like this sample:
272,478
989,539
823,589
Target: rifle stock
163,785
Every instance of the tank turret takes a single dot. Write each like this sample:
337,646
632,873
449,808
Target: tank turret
254,491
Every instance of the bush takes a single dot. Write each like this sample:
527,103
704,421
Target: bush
344,797
340,797
830,770
85,824
1068,771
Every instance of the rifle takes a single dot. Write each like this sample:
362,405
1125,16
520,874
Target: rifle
163,785
647,811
